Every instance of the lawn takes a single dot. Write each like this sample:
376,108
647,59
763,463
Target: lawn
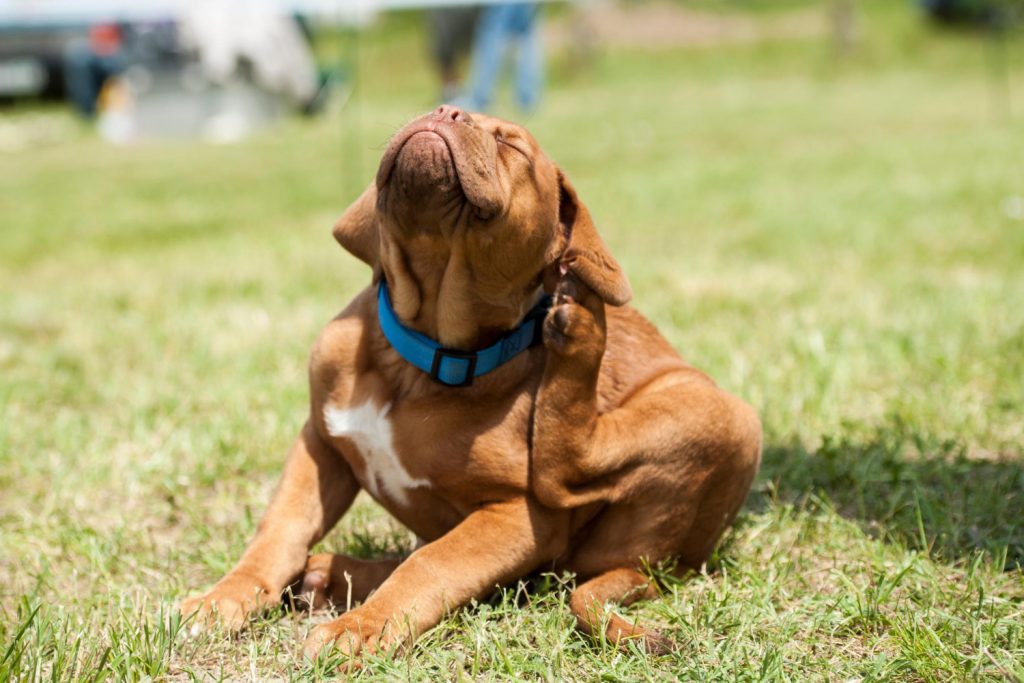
840,242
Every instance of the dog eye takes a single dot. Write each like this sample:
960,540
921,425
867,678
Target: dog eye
502,141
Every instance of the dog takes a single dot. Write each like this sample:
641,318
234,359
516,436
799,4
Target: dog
492,390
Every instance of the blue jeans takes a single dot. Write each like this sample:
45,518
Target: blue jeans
84,74
500,26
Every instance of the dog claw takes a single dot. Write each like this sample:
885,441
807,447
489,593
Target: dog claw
568,289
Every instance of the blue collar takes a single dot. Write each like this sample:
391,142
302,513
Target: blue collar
448,366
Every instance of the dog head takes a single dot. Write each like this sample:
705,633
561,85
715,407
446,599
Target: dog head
468,220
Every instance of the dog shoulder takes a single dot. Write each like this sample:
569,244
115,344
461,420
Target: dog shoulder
342,348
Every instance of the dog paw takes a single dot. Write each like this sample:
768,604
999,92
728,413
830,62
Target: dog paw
315,590
357,633
575,325
623,632
658,645
228,605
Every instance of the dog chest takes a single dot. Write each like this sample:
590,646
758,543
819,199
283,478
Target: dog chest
370,430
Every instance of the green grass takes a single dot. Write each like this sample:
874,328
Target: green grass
835,242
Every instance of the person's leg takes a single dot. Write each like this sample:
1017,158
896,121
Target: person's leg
530,57
442,48
80,78
488,55
451,35
85,72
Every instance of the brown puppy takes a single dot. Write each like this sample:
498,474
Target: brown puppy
594,452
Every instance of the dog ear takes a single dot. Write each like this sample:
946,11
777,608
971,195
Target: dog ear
586,255
357,229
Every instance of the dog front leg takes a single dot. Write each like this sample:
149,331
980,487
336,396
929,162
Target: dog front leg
492,546
315,490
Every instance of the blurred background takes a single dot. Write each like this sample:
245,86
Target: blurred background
174,161
819,202
223,70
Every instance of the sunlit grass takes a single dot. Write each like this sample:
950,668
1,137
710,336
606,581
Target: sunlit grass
835,242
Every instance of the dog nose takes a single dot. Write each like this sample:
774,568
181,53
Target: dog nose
452,113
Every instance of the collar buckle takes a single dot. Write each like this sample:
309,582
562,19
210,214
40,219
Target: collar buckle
469,357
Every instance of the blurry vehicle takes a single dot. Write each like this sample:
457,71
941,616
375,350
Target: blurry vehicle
32,59
57,60
987,13
216,71
211,69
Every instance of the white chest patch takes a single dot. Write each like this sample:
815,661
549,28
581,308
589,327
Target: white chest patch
369,429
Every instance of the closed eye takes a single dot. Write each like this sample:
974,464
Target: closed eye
503,141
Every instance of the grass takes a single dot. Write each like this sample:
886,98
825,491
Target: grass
836,242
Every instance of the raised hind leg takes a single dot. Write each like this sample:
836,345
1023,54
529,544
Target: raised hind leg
674,435
667,469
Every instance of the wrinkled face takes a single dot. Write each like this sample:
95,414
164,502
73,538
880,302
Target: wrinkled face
469,212
449,160
466,220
